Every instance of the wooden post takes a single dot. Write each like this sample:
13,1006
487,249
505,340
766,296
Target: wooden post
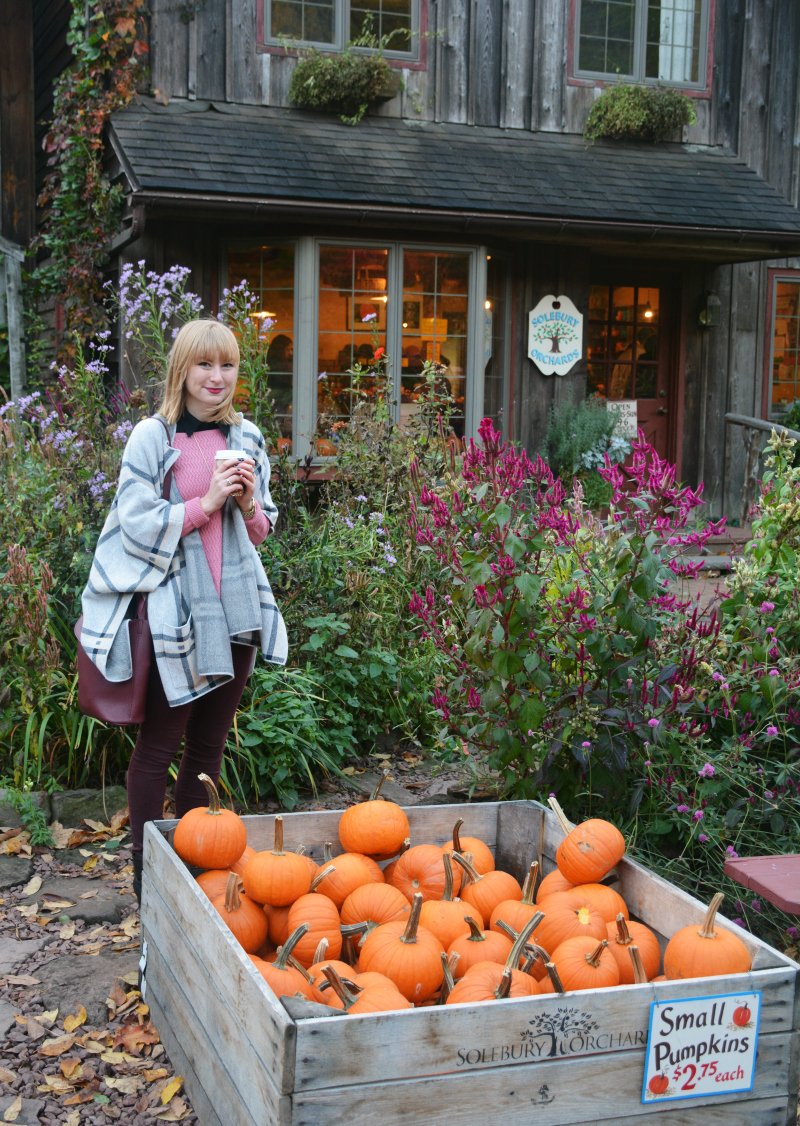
17,122
12,259
752,441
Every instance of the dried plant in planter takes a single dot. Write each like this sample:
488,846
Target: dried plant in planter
638,113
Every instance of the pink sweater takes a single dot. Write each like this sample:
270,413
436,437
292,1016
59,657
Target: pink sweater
192,477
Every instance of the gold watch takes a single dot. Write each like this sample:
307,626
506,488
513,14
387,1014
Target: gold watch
251,511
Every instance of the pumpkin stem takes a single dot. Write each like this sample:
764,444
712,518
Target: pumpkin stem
277,848
532,952
504,988
529,887
563,820
593,959
344,994
456,837
453,958
552,973
320,876
320,952
448,878
707,929
410,933
639,975
300,850
213,796
466,864
515,953
475,932
507,930
404,847
376,793
448,982
289,945
232,900
293,962
623,934
326,855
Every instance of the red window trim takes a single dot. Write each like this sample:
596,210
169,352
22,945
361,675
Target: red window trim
421,63
602,82
772,272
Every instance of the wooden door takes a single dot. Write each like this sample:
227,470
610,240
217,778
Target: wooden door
627,354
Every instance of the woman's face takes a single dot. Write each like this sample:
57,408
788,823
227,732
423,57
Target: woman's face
208,383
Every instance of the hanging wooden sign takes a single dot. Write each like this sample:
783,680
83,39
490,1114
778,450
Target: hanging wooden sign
555,335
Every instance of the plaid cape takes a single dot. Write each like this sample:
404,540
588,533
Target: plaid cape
141,551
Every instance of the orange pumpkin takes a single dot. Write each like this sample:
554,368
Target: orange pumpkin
374,903
388,871
313,867
604,899
705,951
377,981
277,877
278,920
568,916
584,963
515,913
445,916
590,851
323,921
239,866
246,920
350,872
478,946
375,827
482,859
283,979
214,881
421,869
370,1000
484,893
210,837
374,869
622,934
553,882
407,954
488,981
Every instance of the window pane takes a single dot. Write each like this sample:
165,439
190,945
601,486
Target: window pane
606,36
269,273
646,380
673,40
494,318
785,353
434,327
353,286
383,17
623,342
302,19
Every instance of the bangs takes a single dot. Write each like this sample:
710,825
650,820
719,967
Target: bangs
211,341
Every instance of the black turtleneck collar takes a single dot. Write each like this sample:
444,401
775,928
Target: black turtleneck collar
188,424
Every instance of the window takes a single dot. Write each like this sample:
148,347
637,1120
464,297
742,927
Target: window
496,340
269,273
331,23
622,347
784,381
645,40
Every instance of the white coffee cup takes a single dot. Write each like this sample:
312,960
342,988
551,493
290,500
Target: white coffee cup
232,455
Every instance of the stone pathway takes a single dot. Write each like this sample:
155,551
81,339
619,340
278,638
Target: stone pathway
77,1047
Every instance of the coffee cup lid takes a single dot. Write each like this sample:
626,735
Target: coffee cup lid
228,455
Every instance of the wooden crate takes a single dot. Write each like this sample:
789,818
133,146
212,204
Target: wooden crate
246,1062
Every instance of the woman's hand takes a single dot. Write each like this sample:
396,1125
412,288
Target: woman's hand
228,477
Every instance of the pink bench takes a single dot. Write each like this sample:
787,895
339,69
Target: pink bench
775,878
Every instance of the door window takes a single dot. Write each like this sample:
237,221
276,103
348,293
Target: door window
623,342
785,365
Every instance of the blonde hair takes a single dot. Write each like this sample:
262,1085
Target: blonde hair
196,341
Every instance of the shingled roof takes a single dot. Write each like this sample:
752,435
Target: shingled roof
253,152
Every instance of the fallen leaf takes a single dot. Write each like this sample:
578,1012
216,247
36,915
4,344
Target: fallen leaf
171,1089
56,1046
117,996
75,1020
132,1036
89,894
12,1112
53,902
157,1052
35,1030
50,1015
115,1057
91,948
85,852
7,1076
32,886
126,1085
119,820
141,1105
73,1119
173,1113
71,1068
98,826
67,931
152,1076
56,1084
131,978
132,927
142,1010
90,864
93,1046
21,979
60,835
28,912
113,1111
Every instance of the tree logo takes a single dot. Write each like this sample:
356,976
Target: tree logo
560,1033
555,335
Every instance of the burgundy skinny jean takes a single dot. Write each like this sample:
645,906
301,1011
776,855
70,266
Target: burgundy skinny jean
204,724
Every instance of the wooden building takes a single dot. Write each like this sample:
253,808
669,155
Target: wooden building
468,196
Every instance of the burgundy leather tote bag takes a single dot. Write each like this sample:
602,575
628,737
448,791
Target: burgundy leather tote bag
120,703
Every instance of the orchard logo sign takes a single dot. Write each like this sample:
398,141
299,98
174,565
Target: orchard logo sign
555,335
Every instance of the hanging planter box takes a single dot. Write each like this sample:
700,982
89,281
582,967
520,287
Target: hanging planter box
247,1062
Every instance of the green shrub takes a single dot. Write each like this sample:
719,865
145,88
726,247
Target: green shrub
638,113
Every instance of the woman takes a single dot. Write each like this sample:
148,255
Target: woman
208,599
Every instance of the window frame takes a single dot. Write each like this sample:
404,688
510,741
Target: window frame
775,274
412,57
593,78
306,322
